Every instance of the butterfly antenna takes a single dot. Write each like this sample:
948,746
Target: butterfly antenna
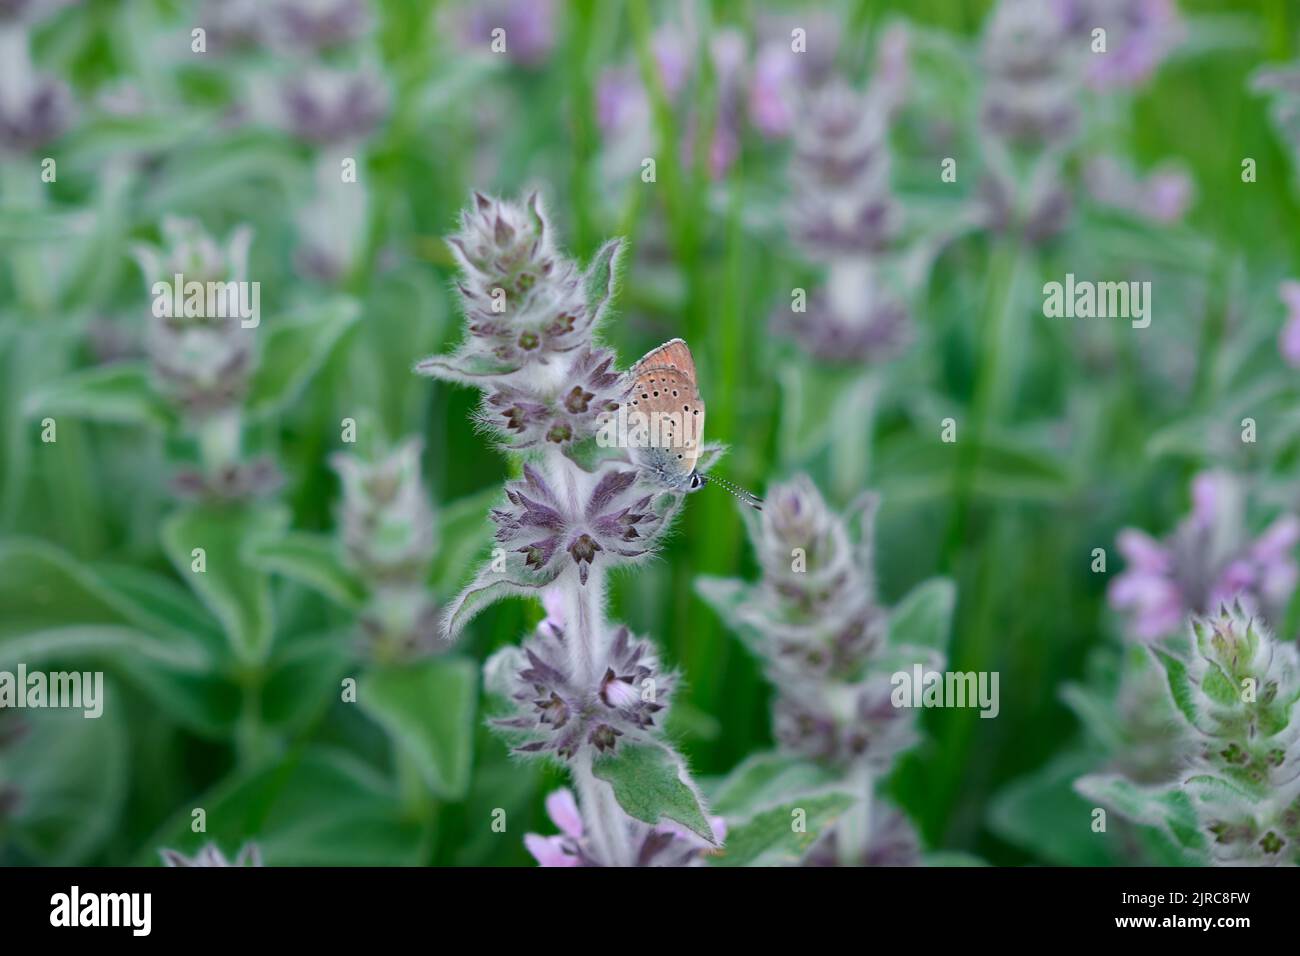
740,494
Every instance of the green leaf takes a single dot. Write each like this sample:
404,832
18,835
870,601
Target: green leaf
205,703
464,534
71,774
490,586
295,350
770,838
159,604
304,679
312,560
238,593
1168,809
427,709
120,394
1218,686
648,784
57,607
319,808
466,367
1043,815
1180,685
764,779
924,617
601,277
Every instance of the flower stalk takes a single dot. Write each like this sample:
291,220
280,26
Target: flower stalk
580,690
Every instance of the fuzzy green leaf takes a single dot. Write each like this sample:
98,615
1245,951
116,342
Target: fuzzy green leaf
312,560
1180,685
647,782
764,779
771,837
119,394
237,592
427,709
924,617
295,349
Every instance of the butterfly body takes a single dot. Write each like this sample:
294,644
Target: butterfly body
664,399
665,403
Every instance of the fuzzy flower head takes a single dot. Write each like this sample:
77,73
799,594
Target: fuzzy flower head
316,25
859,316
329,106
843,724
201,363
211,855
387,530
665,844
528,25
616,522
1030,93
560,713
559,412
1246,692
891,841
528,308
386,521
1208,560
1239,690
843,201
34,109
1139,35
816,604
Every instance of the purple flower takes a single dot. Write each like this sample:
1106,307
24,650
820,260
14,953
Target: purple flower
558,712
874,326
1030,95
385,521
843,203
1139,35
891,841
666,844
1161,197
1289,339
526,305
570,411
529,27
1207,561
34,109
615,521
843,724
327,106
316,24
201,363
211,855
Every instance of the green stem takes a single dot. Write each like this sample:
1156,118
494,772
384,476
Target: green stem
250,739
986,398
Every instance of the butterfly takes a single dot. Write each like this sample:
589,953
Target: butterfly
665,396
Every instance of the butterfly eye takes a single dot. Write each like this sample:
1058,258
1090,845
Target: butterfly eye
696,482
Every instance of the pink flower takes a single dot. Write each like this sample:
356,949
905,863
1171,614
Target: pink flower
771,90
1168,194
1208,560
665,844
561,849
